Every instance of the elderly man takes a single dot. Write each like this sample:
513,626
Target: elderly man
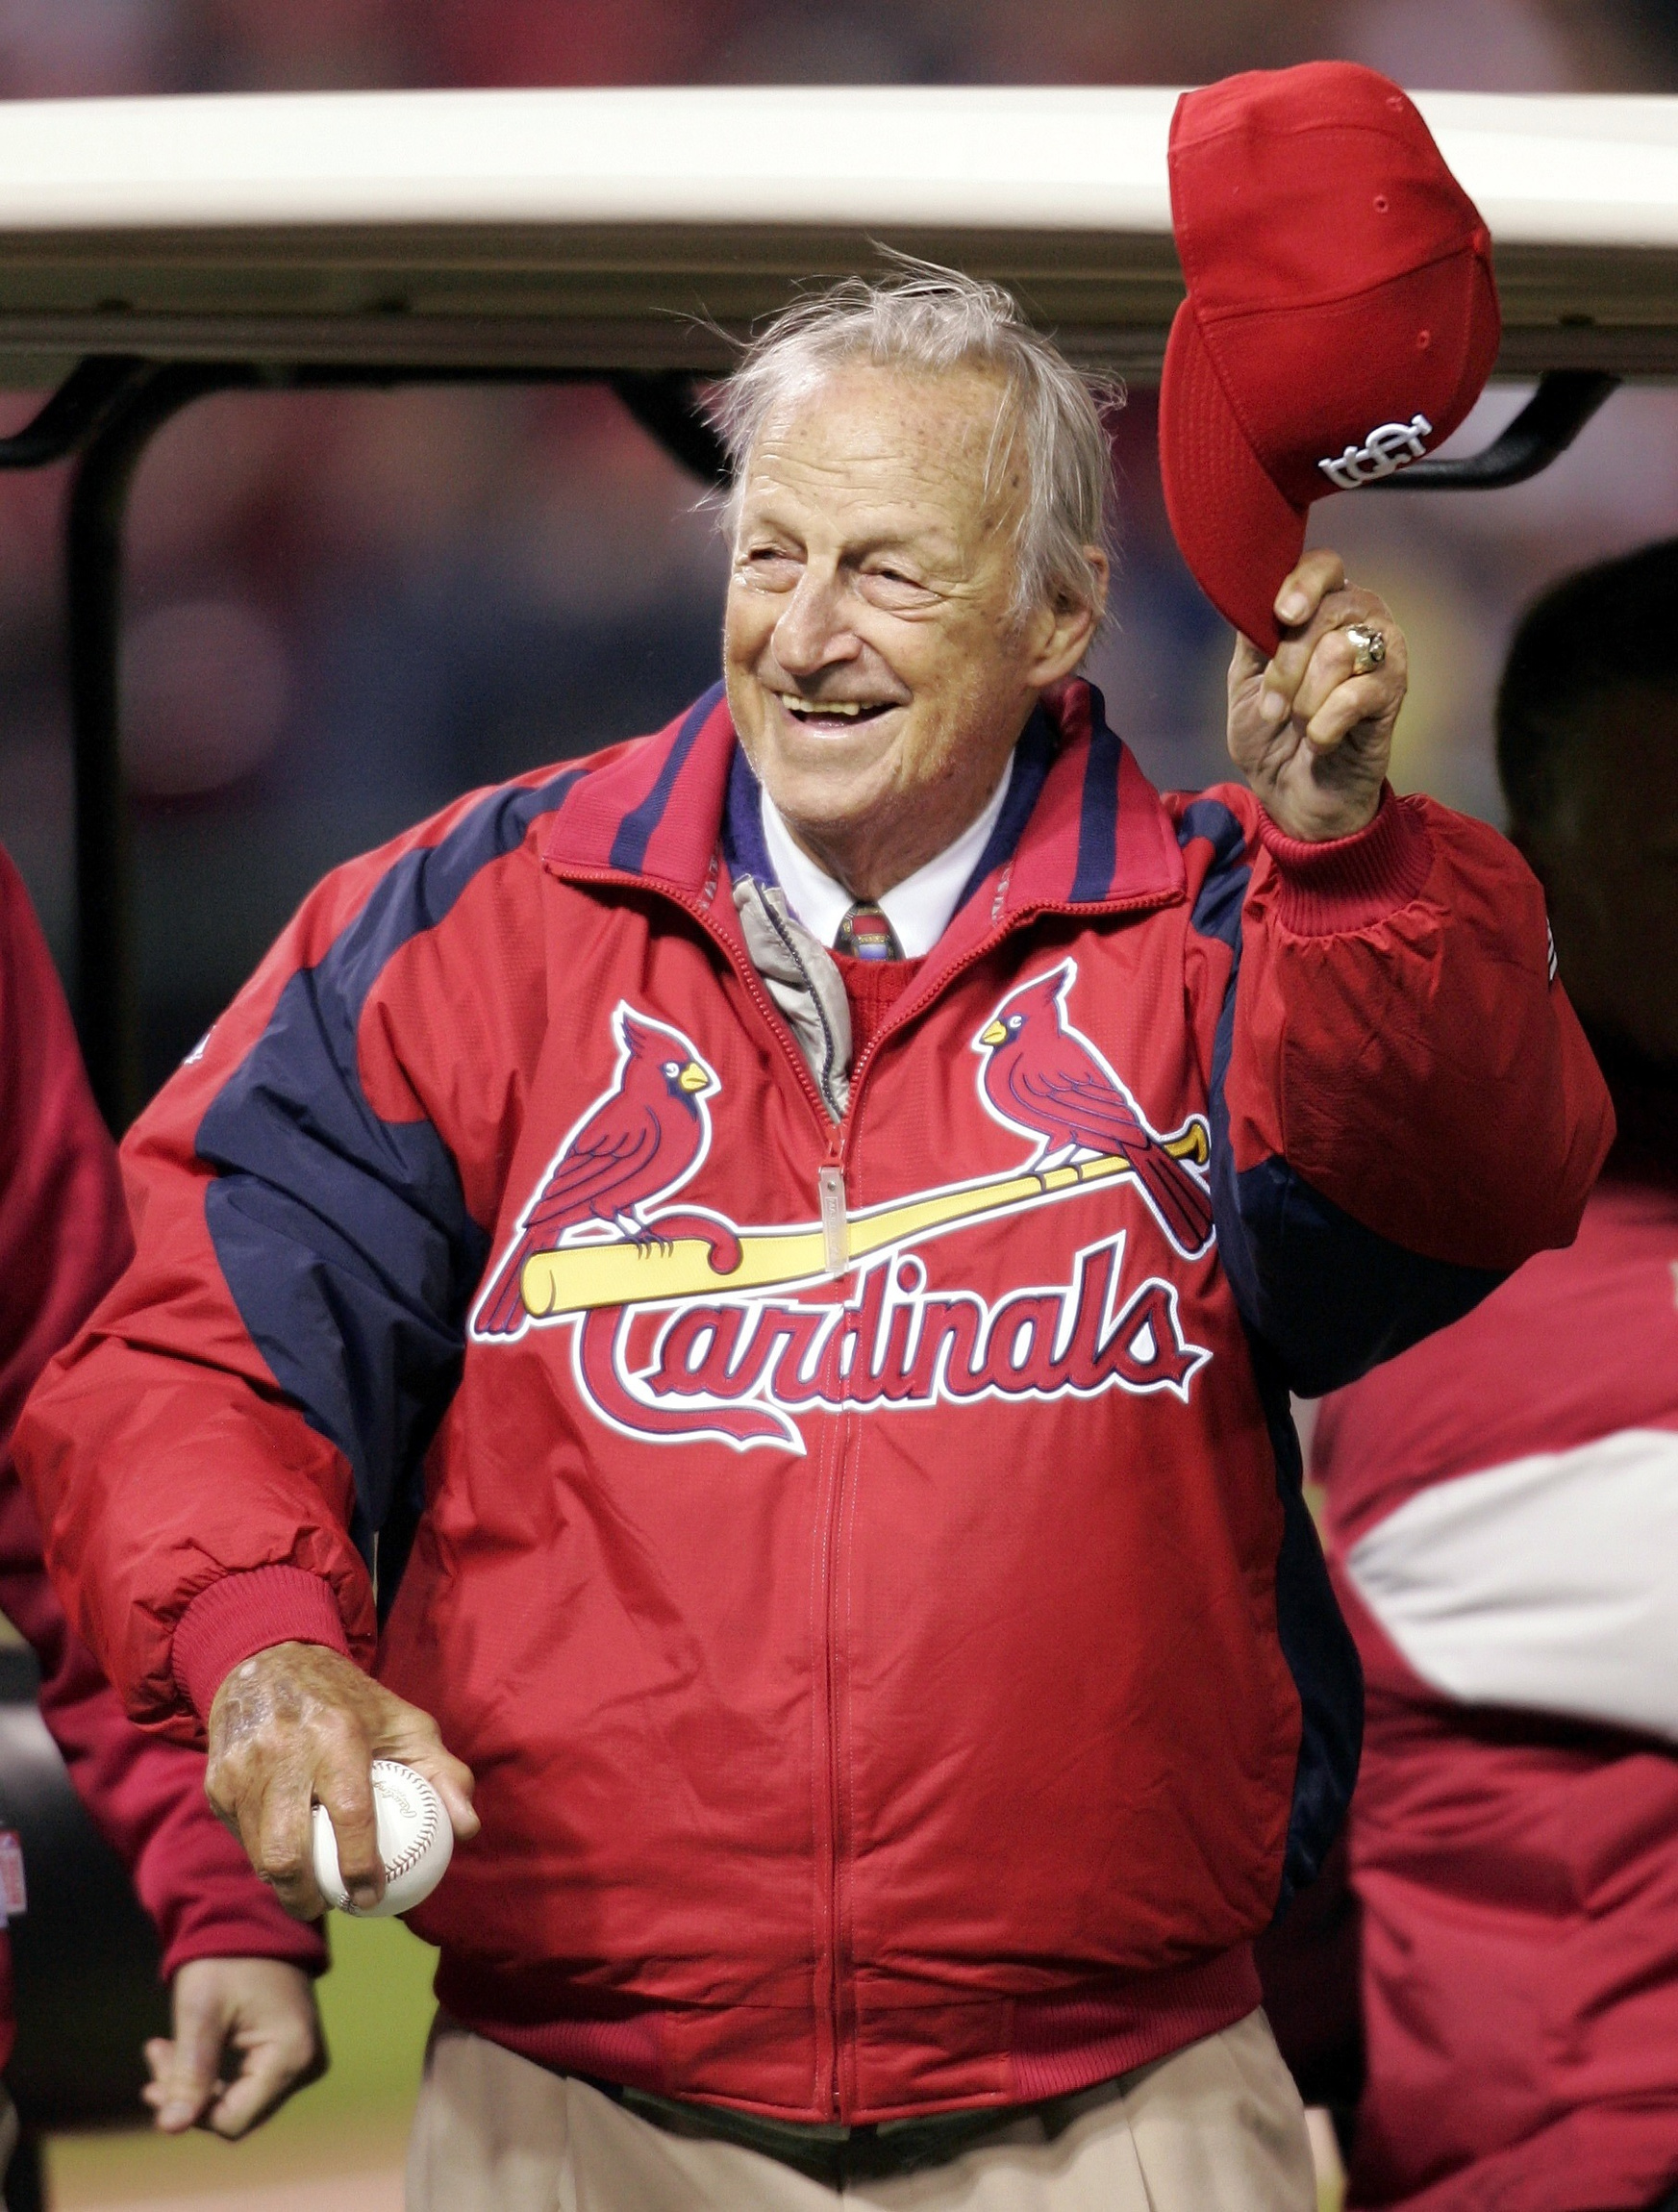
801,1229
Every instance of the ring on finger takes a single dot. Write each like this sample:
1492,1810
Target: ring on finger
1369,647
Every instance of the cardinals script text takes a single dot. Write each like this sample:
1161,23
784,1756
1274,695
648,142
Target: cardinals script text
741,1372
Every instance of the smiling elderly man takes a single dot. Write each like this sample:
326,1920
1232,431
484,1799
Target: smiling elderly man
807,1223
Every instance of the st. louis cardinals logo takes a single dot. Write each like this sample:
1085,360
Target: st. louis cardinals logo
641,1142
684,1324
1042,1078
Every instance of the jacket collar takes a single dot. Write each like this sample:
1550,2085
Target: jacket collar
1082,827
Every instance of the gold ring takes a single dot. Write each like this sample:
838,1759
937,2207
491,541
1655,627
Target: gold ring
1369,647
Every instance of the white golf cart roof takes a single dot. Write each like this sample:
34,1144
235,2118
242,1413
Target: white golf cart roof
606,229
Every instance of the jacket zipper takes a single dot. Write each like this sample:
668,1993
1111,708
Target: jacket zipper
835,1238
836,1227
832,1204
837,1945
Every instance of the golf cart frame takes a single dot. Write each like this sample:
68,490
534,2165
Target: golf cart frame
155,251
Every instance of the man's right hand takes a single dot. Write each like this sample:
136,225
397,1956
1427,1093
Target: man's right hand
300,1723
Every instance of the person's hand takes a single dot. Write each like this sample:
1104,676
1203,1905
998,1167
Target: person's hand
261,2011
300,1723
1311,736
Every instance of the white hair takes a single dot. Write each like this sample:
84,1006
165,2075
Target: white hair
930,320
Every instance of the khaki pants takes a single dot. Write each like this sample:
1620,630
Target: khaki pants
1216,2127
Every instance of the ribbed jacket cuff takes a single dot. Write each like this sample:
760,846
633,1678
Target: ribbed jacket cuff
228,1936
242,1613
1351,882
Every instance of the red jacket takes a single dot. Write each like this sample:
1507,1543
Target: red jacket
1502,1518
64,1241
893,1688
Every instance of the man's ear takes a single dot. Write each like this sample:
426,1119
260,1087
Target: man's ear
1063,632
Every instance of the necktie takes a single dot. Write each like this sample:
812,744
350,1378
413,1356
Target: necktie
866,934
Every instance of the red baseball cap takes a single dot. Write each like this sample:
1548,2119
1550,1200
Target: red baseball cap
1341,315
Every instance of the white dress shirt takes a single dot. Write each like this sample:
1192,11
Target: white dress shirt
919,908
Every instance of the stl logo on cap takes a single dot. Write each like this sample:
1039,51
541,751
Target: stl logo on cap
1341,315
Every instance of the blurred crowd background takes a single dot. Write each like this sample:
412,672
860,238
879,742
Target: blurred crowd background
345,609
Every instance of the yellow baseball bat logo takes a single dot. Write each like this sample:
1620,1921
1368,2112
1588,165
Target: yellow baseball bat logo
582,1278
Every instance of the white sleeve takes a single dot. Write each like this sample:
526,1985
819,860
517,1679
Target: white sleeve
1549,1584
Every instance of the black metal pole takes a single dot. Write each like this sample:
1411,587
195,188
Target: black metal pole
666,406
69,417
1558,410
128,403
26,2176
105,1004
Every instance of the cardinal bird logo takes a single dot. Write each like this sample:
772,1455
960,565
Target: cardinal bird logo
1045,1079
638,1142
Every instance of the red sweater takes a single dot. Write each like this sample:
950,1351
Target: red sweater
63,1239
873,988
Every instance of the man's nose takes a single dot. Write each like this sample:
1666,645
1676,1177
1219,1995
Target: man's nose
814,631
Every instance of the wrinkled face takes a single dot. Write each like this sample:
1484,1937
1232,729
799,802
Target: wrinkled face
876,673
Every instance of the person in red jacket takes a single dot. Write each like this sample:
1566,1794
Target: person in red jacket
792,1238
240,1973
1500,1519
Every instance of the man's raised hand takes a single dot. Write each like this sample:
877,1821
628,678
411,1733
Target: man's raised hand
1311,735
300,1723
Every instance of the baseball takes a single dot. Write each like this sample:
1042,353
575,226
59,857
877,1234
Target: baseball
416,1843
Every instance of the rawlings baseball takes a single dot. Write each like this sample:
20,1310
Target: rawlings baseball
416,1843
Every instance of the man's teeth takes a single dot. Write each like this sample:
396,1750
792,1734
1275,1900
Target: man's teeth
832,706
